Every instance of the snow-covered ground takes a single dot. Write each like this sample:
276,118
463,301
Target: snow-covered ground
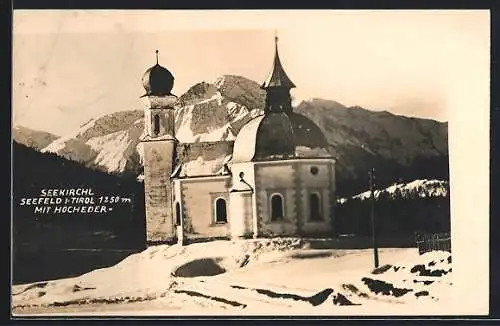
247,277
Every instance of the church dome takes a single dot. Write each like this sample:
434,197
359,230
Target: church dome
277,136
157,80
306,132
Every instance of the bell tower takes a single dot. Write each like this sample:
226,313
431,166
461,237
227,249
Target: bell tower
278,86
159,145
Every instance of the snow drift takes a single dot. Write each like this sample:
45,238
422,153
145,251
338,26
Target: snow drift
277,276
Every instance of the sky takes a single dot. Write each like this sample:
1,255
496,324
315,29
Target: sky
71,66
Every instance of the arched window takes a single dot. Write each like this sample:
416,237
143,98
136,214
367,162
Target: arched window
315,207
177,213
277,207
220,211
156,124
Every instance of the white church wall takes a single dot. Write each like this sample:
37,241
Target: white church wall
198,197
241,223
275,177
248,173
308,178
248,169
310,226
176,191
315,179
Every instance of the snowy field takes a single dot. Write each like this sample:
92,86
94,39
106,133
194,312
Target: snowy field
250,277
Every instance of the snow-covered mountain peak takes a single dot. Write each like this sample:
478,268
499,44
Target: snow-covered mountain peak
219,82
241,90
216,111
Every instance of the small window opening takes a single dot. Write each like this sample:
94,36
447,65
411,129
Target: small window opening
315,207
220,211
277,208
156,124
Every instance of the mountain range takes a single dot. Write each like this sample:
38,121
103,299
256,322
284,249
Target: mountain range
400,148
32,138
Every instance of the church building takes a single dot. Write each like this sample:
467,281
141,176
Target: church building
277,178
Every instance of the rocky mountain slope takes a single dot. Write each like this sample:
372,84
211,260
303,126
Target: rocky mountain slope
108,142
383,138
32,138
400,148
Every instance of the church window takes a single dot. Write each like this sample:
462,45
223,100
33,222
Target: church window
156,124
220,211
177,213
315,207
277,207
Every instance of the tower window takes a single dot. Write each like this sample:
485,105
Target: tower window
177,213
220,211
314,170
277,207
156,124
315,207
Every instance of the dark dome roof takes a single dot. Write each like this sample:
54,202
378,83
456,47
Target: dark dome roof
306,132
277,136
158,81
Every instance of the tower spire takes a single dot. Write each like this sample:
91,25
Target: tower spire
278,76
276,39
156,56
278,85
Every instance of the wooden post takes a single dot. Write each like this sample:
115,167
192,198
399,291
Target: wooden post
374,231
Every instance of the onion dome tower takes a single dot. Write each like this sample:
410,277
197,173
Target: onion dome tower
159,145
158,80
